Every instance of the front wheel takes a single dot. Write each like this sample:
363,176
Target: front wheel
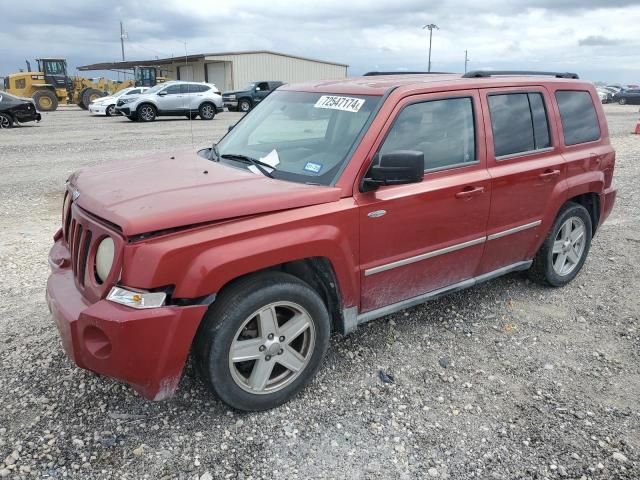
262,341
146,113
565,249
110,110
244,105
622,101
5,120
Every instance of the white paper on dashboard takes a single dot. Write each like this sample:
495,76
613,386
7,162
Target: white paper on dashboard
271,158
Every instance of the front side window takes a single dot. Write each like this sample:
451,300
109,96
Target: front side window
578,115
443,130
173,89
519,123
311,134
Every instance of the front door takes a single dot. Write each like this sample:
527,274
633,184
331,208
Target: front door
420,237
172,99
524,161
262,90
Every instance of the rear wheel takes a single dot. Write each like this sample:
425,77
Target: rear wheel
565,249
45,100
146,113
262,341
207,111
6,121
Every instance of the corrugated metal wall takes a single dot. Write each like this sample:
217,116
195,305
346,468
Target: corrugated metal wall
249,67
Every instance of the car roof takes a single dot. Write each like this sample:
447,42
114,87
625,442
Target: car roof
381,84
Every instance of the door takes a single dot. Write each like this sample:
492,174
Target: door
185,73
193,95
420,237
261,91
525,164
171,99
216,74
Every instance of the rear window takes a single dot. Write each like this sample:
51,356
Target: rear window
578,115
519,123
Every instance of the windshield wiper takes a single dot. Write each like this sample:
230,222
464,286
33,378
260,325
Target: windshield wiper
244,158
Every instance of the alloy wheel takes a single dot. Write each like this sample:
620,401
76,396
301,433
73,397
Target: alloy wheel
569,246
5,122
272,348
147,114
207,112
111,110
244,106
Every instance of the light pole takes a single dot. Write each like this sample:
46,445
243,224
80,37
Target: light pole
430,27
466,61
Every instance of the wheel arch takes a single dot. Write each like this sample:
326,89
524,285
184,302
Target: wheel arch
590,201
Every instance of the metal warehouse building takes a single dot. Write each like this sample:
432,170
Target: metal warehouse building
234,70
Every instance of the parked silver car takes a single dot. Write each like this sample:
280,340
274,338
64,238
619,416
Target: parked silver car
174,98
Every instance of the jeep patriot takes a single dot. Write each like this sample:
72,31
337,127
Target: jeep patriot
329,205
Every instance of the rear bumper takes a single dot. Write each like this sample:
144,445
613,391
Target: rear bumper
608,200
145,348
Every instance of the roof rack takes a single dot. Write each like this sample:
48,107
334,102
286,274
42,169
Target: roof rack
375,74
492,73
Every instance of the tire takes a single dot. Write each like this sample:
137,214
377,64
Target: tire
110,110
244,105
89,95
562,256
237,312
45,100
622,101
146,112
207,111
6,120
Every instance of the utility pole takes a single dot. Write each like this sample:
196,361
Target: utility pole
466,61
430,27
123,35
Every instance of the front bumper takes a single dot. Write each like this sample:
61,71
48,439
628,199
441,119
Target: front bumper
123,110
230,104
98,109
145,348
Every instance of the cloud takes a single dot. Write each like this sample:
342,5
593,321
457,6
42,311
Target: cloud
387,35
598,41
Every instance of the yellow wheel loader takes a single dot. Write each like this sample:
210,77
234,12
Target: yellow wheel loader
51,85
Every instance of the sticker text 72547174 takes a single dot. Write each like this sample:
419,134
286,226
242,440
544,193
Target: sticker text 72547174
347,104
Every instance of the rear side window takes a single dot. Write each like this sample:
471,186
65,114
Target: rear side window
443,130
578,115
519,123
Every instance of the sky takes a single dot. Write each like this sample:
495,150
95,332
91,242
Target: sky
599,40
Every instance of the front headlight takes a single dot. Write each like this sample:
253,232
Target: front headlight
126,100
136,299
104,258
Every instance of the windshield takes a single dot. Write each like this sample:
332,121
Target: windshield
305,136
249,86
124,91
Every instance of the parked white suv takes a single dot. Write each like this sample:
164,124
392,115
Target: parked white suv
175,98
107,105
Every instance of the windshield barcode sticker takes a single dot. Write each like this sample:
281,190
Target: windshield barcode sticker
346,104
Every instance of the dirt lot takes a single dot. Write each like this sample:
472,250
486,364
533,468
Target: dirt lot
504,381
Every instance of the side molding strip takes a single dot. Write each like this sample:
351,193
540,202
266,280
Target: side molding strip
514,230
411,302
424,256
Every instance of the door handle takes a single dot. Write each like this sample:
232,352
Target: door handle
468,192
549,174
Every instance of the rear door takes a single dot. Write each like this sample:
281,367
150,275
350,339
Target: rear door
526,168
420,237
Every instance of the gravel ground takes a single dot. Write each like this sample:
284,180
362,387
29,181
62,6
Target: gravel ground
507,380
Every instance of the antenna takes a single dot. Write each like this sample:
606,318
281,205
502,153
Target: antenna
186,63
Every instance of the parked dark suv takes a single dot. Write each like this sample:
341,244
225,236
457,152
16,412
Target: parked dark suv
333,204
254,93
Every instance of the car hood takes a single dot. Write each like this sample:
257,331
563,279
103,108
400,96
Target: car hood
166,191
108,98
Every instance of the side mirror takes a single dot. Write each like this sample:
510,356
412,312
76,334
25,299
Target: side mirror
395,168
257,89
162,93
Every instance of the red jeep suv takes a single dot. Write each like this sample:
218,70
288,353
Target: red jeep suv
331,204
